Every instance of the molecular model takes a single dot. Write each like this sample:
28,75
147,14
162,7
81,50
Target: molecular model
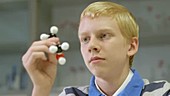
58,49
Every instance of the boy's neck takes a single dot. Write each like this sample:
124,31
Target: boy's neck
110,86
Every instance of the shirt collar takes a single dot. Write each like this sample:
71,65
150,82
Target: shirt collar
133,87
127,80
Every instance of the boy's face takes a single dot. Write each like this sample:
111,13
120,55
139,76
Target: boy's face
103,47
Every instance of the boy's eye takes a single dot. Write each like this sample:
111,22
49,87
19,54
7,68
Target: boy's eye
85,39
105,36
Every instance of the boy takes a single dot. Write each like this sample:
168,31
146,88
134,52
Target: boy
108,35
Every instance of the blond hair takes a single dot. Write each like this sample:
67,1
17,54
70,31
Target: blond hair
124,18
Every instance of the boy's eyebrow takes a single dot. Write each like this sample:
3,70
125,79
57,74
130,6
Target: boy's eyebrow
106,29
82,33
98,30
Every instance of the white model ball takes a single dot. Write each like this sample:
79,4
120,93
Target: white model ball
53,49
65,46
61,60
44,36
54,30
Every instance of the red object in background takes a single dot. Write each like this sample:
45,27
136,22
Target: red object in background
59,55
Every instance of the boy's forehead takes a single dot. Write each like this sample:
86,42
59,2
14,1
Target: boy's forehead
97,24
93,17
104,19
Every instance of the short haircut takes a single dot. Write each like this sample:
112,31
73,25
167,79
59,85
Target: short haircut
124,18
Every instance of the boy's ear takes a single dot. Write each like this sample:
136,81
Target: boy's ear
133,46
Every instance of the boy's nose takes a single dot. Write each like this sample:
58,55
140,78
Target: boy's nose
94,46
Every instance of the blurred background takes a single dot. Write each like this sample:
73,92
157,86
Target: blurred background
22,22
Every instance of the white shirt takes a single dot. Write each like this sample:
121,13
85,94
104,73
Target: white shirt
122,87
